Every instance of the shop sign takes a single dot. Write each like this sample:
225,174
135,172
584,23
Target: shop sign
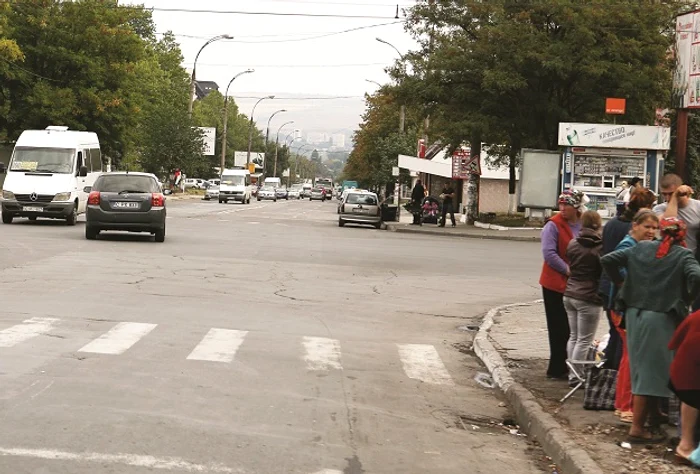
686,80
614,136
465,164
615,106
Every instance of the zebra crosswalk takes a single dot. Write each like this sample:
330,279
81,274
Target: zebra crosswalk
420,362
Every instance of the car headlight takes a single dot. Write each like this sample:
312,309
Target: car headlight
62,197
8,195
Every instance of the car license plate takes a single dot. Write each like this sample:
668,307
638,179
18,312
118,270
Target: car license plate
32,209
126,205
359,211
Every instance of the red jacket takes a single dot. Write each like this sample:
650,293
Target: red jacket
685,369
550,278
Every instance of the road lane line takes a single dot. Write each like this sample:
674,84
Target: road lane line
136,460
422,362
322,353
28,329
219,345
118,339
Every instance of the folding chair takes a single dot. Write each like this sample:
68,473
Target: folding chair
579,369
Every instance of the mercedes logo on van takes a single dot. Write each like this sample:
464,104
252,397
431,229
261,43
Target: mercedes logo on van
33,196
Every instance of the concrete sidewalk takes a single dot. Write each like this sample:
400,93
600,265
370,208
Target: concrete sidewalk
513,344
461,230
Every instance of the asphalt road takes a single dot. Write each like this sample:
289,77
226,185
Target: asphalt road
258,338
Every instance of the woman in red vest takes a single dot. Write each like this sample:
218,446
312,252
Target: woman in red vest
556,235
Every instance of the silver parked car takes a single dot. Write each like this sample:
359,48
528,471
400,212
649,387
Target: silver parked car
212,193
126,201
360,207
267,192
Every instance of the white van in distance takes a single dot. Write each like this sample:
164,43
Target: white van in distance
48,174
273,181
235,186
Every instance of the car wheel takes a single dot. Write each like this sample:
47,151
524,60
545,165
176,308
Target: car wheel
160,235
220,201
258,199
341,223
72,218
7,218
274,200
91,233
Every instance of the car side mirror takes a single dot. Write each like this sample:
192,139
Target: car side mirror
83,171
87,189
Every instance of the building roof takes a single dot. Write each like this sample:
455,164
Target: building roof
203,88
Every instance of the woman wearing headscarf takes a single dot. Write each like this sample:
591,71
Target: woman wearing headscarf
614,231
685,383
556,235
662,280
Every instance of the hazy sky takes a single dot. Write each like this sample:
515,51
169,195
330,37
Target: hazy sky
290,54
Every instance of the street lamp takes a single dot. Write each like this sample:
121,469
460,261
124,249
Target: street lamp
374,82
223,137
277,143
287,138
194,69
250,126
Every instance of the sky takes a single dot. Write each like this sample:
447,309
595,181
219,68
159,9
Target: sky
293,55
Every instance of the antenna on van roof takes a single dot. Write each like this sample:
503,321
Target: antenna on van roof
57,128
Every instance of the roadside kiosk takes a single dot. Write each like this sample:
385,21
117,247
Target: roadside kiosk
599,157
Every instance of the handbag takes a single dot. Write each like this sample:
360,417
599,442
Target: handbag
599,393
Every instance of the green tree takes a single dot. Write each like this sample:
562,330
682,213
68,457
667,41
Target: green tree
79,57
509,72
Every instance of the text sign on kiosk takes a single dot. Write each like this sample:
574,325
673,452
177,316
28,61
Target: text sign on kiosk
615,106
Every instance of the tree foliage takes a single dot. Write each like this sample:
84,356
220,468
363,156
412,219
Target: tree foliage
509,71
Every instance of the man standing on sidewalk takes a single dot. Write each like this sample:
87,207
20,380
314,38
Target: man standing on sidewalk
680,204
447,196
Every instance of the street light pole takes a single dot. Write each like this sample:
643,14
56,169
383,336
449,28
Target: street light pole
277,144
250,127
194,70
267,134
223,137
402,126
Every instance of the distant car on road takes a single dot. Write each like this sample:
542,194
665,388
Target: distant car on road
267,192
195,183
212,193
281,193
295,191
306,190
317,193
126,201
360,207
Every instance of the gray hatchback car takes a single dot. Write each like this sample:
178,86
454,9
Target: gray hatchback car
360,207
126,201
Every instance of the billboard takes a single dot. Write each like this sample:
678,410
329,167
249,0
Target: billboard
240,159
686,78
641,137
209,138
539,178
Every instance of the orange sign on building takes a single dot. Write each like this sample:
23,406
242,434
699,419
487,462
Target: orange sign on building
615,106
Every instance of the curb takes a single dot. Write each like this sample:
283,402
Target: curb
533,420
406,230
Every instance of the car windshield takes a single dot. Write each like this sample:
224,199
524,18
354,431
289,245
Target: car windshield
121,183
295,187
368,199
318,190
233,180
268,188
46,160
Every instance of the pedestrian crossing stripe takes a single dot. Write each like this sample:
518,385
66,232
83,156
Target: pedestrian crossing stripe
420,361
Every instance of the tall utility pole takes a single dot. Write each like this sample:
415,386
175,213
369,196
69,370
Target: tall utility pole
194,70
250,127
277,144
224,135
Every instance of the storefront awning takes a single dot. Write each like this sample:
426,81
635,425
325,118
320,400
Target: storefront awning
421,165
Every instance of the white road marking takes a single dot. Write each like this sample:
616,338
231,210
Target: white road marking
322,353
152,462
118,339
422,362
219,345
23,332
328,471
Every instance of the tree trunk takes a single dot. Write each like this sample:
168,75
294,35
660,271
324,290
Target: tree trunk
512,161
472,201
